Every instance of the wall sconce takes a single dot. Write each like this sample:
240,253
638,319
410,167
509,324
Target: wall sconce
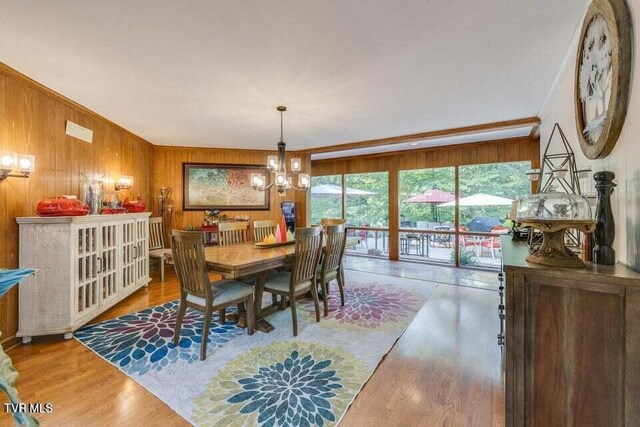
124,183
13,162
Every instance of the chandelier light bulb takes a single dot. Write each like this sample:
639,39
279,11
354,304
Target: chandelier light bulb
7,159
296,165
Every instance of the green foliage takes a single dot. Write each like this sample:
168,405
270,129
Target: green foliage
499,179
326,206
370,210
466,257
192,228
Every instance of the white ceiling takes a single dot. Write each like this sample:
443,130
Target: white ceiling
210,73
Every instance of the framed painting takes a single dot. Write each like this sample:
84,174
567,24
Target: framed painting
226,187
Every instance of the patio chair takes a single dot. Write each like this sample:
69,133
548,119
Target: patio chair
441,238
412,240
198,292
493,243
364,236
466,243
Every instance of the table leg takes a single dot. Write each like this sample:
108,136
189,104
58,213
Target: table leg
262,324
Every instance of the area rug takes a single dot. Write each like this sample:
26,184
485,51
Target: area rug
265,379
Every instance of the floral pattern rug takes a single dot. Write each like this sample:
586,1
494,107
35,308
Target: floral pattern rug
270,379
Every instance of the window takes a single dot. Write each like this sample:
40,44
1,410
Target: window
367,212
422,191
367,208
427,220
367,199
486,193
326,197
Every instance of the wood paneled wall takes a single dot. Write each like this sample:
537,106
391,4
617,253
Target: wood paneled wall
507,150
32,120
167,167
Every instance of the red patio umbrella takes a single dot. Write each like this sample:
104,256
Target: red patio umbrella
433,197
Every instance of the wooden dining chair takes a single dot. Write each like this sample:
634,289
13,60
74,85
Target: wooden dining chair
302,277
231,233
331,266
198,292
262,229
156,244
332,221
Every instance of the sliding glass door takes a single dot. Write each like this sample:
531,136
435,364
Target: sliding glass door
326,197
486,194
451,215
426,230
364,205
367,212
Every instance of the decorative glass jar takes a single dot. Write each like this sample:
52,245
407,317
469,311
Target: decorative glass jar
553,213
110,200
91,194
554,206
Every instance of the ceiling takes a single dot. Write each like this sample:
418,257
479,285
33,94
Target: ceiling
210,73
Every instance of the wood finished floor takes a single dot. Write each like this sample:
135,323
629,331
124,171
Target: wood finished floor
444,370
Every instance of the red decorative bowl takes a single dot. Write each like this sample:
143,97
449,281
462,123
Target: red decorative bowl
62,206
135,206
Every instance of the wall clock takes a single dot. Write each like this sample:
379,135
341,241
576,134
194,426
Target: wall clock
603,74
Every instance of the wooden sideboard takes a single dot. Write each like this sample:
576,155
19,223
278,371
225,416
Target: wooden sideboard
572,343
86,264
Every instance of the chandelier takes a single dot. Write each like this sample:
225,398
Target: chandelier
277,166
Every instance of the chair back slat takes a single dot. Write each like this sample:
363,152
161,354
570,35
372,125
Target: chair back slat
188,257
334,249
307,254
262,229
231,233
156,240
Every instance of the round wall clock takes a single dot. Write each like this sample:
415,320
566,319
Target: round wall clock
603,74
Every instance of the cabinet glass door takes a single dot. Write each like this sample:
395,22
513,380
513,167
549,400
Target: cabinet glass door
128,256
87,270
142,251
108,260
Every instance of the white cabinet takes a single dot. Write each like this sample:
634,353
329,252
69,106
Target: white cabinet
85,265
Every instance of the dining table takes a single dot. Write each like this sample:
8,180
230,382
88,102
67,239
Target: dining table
247,259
